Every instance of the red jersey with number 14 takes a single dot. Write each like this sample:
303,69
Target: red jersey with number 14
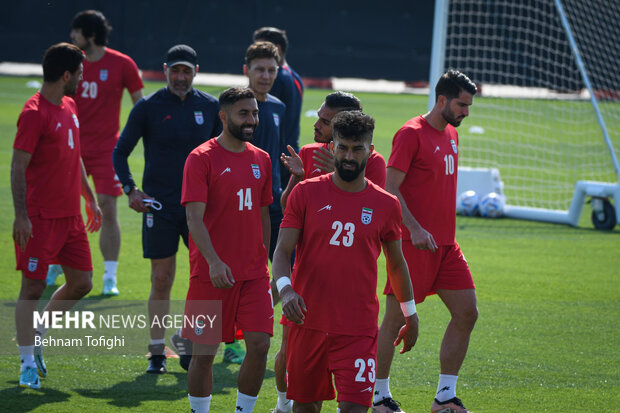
375,167
429,158
51,134
234,187
335,269
99,98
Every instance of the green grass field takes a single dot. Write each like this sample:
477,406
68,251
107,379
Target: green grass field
547,338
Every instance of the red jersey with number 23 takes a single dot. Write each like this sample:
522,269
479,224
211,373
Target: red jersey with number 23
335,269
51,134
375,167
234,187
99,98
429,158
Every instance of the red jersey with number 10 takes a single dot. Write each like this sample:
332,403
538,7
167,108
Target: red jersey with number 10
375,167
429,158
234,187
99,98
335,269
51,134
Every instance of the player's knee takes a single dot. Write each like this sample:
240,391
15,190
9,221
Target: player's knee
467,317
162,281
258,346
81,286
314,407
33,291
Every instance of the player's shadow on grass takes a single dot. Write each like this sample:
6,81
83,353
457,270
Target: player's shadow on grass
27,400
147,387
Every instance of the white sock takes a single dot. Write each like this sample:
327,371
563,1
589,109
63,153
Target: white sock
199,404
245,403
110,270
382,390
156,341
284,404
446,389
26,354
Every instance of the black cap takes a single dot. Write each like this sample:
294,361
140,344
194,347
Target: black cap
182,54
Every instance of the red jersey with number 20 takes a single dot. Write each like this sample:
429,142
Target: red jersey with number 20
375,167
335,269
429,158
234,187
99,98
51,134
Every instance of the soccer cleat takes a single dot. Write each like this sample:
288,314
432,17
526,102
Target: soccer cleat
157,361
234,353
183,347
386,405
38,359
454,405
29,378
53,272
109,287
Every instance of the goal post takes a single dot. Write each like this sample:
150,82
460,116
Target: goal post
548,111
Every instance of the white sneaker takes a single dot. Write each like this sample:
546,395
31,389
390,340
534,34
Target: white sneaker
109,287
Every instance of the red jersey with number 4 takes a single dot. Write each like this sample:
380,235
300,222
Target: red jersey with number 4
429,158
375,167
99,98
335,269
51,134
234,187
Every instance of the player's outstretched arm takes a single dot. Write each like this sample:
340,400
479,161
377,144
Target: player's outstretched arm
420,238
93,213
403,291
219,272
22,227
293,306
295,166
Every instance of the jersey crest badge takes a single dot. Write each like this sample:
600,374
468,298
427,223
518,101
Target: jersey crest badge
453,146
103,75
199,327
32,264
75,120
256,171
199,118
366,216
149,220
276,119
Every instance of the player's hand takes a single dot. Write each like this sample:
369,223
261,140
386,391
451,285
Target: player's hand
293,163
408,334
136,200
93,215
221,275
324,159
22,231
293,306
422,239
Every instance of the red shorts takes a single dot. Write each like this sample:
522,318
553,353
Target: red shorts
101,167
313,356
247,306
58,240
444,269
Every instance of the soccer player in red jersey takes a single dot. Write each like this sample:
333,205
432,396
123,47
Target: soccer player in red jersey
227,192
46,162
316,159
107,73
422,172
339,222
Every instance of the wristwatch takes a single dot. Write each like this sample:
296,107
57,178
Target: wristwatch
128,188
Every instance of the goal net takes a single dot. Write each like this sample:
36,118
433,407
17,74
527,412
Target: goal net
534,119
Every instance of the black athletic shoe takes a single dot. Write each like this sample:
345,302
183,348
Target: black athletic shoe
157,361
183,347
454,405
386,405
